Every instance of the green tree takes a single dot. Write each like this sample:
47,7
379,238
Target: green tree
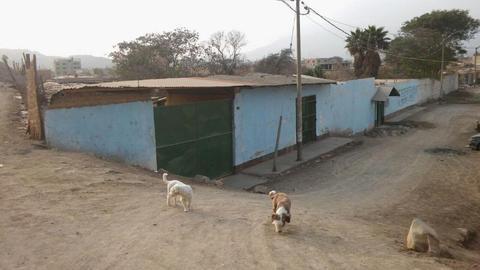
169,54
356,44
277,63
316,71
99,72
365,46
423,37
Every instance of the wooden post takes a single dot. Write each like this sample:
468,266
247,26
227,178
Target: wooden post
299,124
275,154
35,125
441,74
475,67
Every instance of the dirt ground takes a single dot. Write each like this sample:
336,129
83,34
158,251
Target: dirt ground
61,210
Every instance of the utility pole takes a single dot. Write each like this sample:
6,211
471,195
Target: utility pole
441,71
299,86
475,67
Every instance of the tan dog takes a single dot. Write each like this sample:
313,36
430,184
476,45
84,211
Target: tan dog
281,209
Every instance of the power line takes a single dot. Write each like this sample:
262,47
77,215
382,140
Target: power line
345,24
287,5
382,51
326,29
325,19
417,59
348,35
315,22
292,9
293,32
330,20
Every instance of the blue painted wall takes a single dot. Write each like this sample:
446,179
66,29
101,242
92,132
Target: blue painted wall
256,115
123,132
345,108
418,91
126,131
408,96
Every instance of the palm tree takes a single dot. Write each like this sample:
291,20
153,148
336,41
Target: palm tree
377,40
356,47
364,45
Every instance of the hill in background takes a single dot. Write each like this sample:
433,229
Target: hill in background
46,62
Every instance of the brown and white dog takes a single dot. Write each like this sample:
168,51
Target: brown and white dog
281,209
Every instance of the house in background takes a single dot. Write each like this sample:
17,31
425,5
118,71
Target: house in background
334,68
466,69
328,64
67,66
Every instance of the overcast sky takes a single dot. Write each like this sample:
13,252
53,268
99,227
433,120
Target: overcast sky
65,27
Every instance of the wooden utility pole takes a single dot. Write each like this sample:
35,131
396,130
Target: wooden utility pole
299,86
475,67
35,124
441,71
277,142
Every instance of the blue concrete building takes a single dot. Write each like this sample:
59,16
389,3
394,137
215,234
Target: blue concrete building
123,132
344,108
216,125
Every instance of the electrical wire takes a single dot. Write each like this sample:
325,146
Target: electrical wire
287,5
417,59
293,32
325,19
325,29
291,8
345,24
383,51
308,8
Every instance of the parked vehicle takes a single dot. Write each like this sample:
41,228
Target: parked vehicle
475,142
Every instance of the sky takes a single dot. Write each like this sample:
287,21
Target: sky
65,27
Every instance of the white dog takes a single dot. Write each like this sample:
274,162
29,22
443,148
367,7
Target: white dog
176,188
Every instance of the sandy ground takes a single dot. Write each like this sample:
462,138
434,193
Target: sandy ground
62,210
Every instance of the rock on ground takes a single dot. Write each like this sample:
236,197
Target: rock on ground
465,236
422,238
201,179
262,189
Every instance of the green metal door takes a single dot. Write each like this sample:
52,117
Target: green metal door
379,113
195,138
309,119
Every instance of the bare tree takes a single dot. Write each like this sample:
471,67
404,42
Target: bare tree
224,51
5,62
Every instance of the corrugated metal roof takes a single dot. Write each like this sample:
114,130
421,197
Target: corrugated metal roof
217,81
171,83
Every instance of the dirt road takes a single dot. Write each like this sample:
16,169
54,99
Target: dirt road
63,210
